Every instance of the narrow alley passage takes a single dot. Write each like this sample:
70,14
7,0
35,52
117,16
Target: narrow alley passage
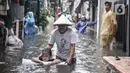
28,18
87,52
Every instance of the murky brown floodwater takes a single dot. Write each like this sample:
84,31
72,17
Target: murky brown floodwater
87,52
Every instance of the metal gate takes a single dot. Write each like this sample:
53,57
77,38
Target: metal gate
122,26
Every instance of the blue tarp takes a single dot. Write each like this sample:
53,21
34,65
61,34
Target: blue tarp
29,24
82,25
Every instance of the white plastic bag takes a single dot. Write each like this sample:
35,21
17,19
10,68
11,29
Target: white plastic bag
15,41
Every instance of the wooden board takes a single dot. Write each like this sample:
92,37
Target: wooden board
122,65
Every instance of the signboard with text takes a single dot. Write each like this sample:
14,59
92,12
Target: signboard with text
120,9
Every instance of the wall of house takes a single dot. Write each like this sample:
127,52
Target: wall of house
76,4
17,11
84,9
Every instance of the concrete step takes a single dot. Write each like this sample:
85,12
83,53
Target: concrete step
120,66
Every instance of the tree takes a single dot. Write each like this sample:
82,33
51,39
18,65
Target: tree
43,18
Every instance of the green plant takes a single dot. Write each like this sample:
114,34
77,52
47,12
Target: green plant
43,17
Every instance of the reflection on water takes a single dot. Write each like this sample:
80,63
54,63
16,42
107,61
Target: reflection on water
87,52
65,68
12,58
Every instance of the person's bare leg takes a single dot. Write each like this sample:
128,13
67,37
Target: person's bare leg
106,50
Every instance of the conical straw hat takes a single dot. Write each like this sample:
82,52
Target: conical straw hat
62,20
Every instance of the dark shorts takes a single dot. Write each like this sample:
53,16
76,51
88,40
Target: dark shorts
64,60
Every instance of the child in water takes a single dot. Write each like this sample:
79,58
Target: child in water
44,57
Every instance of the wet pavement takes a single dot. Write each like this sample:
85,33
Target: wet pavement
87,52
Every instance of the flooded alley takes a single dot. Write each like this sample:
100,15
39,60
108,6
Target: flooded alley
87,53
26,25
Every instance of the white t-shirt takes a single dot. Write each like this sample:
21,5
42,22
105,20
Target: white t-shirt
63,42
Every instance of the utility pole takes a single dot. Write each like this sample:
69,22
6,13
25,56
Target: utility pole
98,20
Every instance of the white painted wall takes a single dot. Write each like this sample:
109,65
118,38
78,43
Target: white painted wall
76,3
